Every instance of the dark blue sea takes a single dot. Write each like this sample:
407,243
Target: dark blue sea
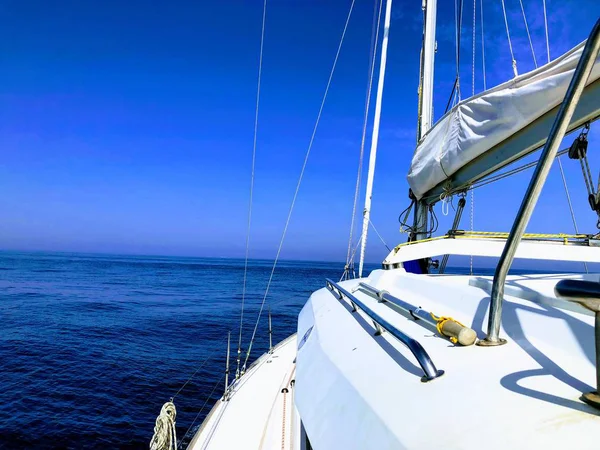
91,346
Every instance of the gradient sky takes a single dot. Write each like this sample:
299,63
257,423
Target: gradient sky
126,127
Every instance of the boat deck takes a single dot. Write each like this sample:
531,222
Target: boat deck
524,394
259,413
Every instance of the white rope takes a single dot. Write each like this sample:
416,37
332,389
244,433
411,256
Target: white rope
289,216
482,46
165,437
260,61
528,35
512,55
373,53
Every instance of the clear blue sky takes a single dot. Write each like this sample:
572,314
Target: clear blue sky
127,126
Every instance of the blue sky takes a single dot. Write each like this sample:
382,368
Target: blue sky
126,127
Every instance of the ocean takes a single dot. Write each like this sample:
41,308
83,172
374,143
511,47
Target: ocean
93,345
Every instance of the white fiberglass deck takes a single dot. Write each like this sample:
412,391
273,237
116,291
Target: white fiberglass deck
355,390
258,415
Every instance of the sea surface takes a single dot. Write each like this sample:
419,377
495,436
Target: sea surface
91,346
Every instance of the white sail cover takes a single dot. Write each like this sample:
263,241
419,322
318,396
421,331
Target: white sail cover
478,123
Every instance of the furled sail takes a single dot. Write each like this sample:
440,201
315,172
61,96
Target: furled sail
479,123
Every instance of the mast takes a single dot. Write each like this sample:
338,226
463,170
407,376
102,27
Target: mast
426,99
375,136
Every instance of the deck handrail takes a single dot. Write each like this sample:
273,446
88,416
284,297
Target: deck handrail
423,358
538,179
446,326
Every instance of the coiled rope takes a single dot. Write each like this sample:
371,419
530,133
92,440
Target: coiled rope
165,436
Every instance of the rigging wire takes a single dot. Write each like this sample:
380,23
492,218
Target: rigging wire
501,176
347,271
528,35
472,212
202,409
546,29
377,233
455,92
491,179
260,61
202,364
372,54
289,216
483,46
560,166
512,55
474,39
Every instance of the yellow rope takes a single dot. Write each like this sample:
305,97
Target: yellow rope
526,235
420,241
441,320
495,234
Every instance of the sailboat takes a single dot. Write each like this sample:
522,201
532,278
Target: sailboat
411,357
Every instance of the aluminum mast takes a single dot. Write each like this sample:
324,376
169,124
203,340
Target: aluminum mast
374,137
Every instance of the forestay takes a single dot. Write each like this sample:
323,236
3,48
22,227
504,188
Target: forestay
479,123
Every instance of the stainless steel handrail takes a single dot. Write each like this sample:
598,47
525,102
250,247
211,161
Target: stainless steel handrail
557,133
445,326
414,311
414,346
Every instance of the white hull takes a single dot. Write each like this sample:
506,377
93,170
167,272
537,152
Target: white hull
257,414
355,390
